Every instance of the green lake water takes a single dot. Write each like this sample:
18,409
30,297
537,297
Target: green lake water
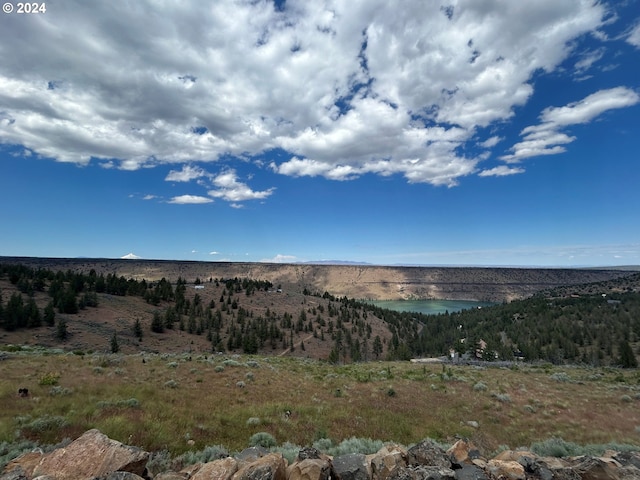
430,307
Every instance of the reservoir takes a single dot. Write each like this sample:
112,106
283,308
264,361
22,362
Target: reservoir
430,307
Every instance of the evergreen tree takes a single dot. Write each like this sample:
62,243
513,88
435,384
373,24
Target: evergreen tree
115,347
61,330
627,357
49,315
157,325
334,356
137,329
67,302
14,313
1,310
377,346
34,319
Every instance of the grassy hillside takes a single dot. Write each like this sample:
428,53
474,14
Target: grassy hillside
231,315
186,402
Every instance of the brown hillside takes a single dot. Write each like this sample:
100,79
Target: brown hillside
92,328
353,281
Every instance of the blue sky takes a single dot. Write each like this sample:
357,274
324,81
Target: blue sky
440,133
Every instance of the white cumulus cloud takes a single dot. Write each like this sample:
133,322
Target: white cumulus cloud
279,258
634,35
187,174
344,88
500,171
190,199
228,187
546,137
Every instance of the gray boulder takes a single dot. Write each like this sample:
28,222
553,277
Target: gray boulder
353,466
123,476
471,472
422,472
429,453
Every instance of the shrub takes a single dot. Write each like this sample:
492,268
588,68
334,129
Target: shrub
323,444
46,423
49,378
9,451
12,348
158,462
128,403
105,361
219,368
254,421
262,439
479,387
560,377
57,391
502,397
356,445
289,451
208,454
171,384
231,363
555,447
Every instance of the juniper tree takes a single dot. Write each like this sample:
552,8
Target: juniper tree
157,325
50,314
627,357
115,347
61,330
137,329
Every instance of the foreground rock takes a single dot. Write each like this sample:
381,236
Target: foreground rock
93,456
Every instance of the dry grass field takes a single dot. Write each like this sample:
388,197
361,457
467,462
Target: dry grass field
186,402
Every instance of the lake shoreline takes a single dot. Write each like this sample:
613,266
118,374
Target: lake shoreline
430,307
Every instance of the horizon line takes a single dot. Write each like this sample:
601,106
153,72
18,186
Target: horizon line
345,263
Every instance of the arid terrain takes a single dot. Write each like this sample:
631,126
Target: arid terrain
354,281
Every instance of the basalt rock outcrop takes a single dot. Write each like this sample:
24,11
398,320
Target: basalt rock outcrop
93,456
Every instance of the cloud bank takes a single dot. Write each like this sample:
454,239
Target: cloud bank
344,88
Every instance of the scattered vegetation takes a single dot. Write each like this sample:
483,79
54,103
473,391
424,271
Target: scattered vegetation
178,409
599,325
306,402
